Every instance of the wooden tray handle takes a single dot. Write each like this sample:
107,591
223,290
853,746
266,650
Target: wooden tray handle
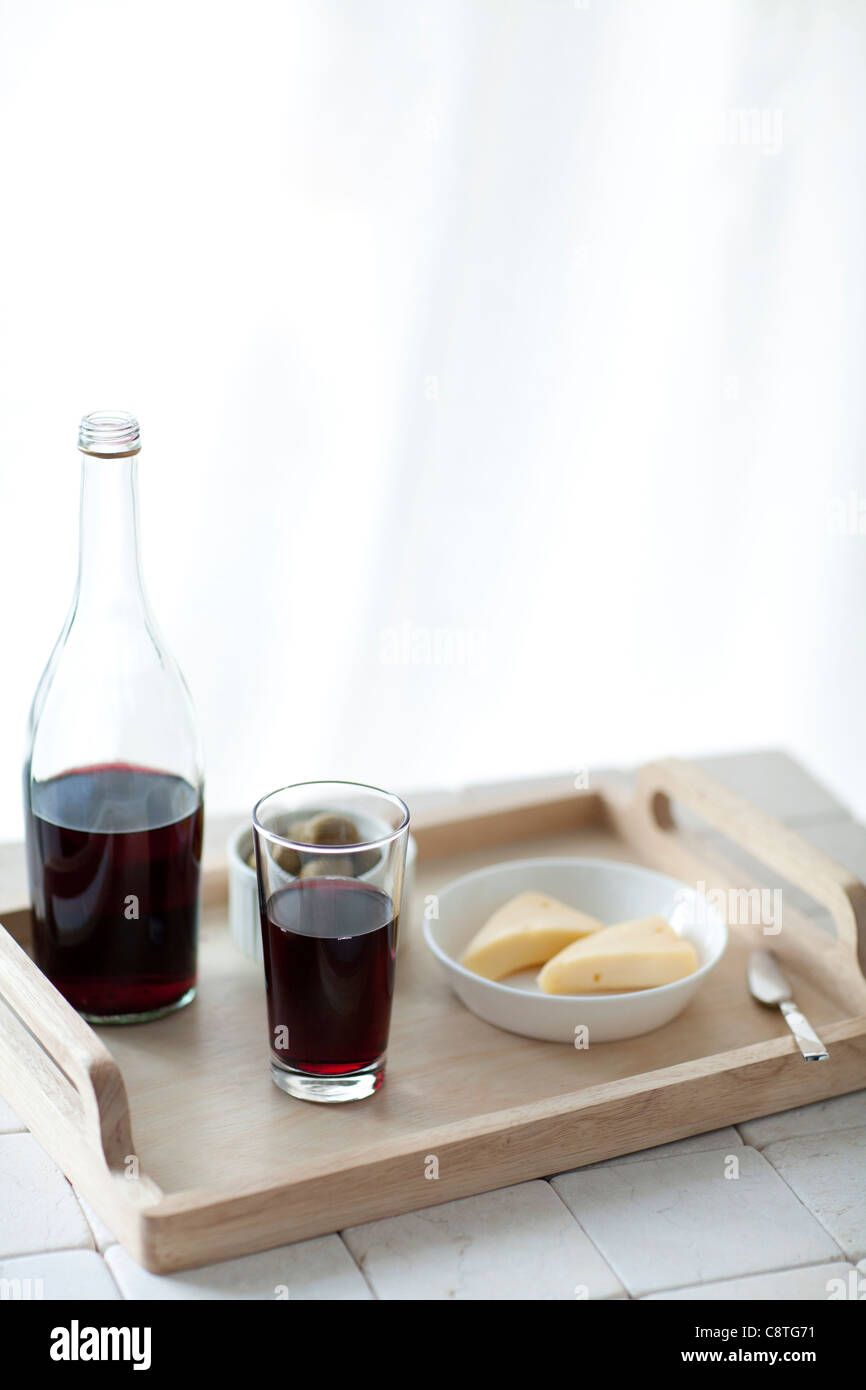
87,1066
761,835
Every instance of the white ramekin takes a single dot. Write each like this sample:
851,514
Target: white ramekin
606,889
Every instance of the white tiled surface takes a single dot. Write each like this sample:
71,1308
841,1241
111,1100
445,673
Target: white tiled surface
38,1210
59,1274
691,1218
517,1243
810,1283
842,1112
321,1268
828,1174
665,1223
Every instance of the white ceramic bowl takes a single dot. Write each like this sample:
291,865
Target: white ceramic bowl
244,923
606,889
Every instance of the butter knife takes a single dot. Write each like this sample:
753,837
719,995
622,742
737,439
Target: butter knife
769,986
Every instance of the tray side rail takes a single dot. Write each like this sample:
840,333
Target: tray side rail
48,1046
766,839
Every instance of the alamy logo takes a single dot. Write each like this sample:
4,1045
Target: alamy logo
759,127
854,1287
20,1289
76,1343
759,907
413,644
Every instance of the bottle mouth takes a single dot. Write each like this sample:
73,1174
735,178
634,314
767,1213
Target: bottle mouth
109,434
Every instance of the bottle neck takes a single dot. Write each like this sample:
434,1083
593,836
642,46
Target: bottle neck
109,567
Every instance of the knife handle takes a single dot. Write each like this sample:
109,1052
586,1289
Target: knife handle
807,1039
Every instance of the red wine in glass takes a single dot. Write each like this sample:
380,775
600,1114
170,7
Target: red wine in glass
329,949
114,855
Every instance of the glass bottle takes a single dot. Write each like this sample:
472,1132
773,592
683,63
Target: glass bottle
113,783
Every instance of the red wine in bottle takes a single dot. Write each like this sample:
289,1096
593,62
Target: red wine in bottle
116,854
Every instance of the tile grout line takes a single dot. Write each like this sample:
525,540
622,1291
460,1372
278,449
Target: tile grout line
841,1258
54,1250
762,1274
798,1199
111,1276
87,1222
620,1159
814,1215
605,1258
75,1250
807,1134
360,1268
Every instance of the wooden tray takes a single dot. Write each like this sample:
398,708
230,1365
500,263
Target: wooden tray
224,1164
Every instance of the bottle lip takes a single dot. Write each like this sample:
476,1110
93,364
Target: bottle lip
109,434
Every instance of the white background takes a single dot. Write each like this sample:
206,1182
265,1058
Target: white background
489,318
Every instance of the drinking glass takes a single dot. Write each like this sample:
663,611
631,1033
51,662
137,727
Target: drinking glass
329,858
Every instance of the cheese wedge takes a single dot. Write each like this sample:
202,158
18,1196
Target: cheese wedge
630,955
525,931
